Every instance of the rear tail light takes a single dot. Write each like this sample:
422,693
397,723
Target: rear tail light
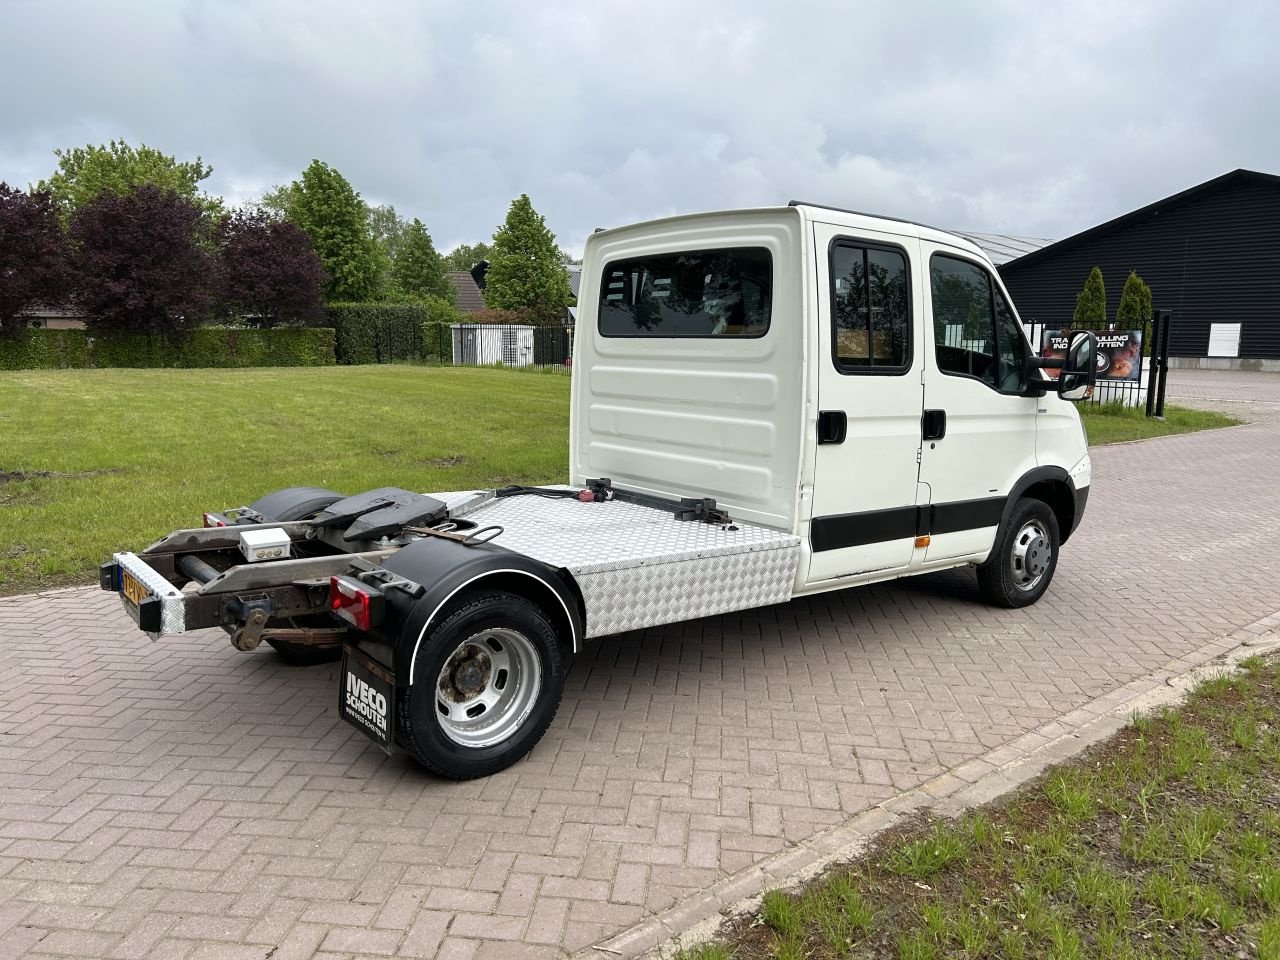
214,520
358,604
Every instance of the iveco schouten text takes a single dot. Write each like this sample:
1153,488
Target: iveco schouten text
765,403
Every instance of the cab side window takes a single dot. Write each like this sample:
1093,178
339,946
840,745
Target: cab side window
870,309
975,332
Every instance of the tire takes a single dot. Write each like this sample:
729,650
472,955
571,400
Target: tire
1024,558
294,503
283,506
460,667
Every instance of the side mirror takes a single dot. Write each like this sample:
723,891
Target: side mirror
1075,381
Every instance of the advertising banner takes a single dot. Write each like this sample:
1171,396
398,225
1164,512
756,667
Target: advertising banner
1119,355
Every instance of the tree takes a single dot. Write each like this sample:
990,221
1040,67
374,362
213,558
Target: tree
525,270
387,228
86,172
1135,301
33,255
1091,303
417,271
467,255
276,201
269,271
142,261
325,205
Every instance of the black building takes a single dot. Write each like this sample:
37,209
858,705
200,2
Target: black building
1211,254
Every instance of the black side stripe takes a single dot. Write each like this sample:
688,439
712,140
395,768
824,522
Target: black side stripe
966,515
876,526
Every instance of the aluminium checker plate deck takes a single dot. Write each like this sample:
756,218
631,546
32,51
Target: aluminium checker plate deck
638,566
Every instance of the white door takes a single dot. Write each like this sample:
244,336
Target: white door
980,424
869,397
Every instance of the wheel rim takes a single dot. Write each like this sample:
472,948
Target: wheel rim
487,687
1032,554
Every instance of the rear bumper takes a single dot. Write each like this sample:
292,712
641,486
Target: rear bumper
156,605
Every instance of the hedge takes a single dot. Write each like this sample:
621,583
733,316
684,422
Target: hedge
203,347
390,332
377,332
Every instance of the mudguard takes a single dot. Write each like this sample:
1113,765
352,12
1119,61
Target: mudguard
445,568
1073,506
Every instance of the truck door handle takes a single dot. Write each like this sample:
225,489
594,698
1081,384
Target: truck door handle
833,425
933,425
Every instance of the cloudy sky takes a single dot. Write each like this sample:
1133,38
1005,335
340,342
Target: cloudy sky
1031,118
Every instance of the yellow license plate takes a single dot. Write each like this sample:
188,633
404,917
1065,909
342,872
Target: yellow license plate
132,589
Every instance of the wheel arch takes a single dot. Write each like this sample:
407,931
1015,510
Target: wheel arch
1053,487
450,571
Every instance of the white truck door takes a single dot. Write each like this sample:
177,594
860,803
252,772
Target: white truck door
869,397
979,427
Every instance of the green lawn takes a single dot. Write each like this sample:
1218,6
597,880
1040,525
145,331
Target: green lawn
93,461
1112,423
1163,842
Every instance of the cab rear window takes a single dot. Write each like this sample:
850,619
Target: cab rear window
700,293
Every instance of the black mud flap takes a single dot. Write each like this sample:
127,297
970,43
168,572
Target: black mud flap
366,697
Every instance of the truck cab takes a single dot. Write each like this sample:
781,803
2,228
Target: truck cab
862,382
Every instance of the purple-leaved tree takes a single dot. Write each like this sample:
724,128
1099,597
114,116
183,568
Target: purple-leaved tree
270,274
143,262
33,255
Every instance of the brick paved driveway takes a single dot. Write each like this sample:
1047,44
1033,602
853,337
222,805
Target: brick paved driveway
181,800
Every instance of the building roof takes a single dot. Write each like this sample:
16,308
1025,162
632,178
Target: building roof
575,277
1199,191
1001,247
470,300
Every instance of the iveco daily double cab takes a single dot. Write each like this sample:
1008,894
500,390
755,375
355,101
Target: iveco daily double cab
862,382
765,404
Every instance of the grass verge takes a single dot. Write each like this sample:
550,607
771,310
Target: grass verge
1113,423
1162,842
93,461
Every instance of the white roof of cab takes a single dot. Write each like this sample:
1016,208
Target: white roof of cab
814,211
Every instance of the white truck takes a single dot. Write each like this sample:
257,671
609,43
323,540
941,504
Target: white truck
766,403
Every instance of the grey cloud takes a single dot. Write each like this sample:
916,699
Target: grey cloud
1038,119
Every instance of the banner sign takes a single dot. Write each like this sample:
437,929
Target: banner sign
1119,355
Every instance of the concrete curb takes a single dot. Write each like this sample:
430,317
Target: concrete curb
973,783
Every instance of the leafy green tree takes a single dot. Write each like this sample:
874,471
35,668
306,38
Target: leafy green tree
1091,303
388,228
328,208
467,255
276,201
417,272
1135,301
525,270
86,172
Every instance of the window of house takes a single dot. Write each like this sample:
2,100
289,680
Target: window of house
870,309
701,293
975,331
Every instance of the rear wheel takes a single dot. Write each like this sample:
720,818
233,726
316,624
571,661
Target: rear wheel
488,678
1024,557
284,506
